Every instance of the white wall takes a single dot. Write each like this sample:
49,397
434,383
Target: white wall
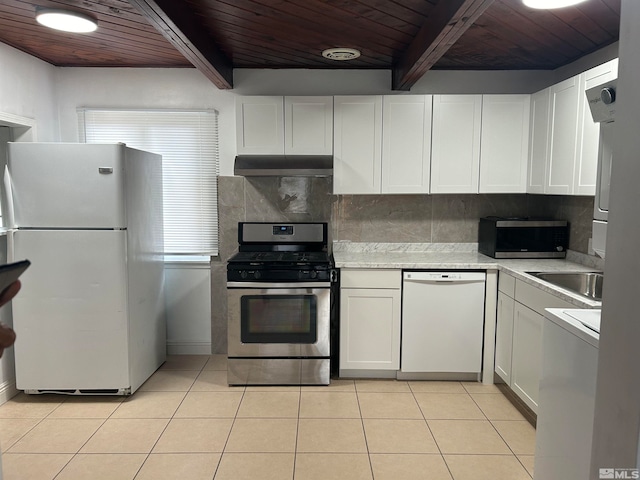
7,363
378,82
183,88
188,308
28,89
585,63
617,417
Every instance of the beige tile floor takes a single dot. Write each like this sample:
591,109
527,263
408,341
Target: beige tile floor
186,423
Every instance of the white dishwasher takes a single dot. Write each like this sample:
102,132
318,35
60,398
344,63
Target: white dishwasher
442,324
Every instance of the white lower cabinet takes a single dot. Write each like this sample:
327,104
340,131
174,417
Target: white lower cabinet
526,354
504,336
520,314
369,321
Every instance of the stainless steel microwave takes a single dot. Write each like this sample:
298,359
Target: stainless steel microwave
501,237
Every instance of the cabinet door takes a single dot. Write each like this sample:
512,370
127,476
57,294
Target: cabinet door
369,329
308,125
406,143
358,144
565,97
455,154
526,356
259,125
504,144
504,336
539,141
589,135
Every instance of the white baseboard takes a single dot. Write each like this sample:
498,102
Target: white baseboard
355,373
8,390
175,348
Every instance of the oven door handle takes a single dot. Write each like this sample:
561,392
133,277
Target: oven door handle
278,285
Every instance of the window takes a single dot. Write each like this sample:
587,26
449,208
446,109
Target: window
188,143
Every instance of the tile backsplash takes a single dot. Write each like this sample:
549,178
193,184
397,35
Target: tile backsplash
450,218
371,218
385,218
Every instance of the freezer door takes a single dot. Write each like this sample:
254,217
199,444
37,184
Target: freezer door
71,314
66,185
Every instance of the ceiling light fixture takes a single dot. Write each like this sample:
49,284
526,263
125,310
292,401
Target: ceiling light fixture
550,4
341,53
65,20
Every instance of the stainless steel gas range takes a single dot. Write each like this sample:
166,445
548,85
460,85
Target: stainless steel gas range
279,291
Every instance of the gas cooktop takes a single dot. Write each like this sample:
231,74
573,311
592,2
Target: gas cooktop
280,257
281,252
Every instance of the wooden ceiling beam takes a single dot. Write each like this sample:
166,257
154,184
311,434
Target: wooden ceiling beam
444,26
184,30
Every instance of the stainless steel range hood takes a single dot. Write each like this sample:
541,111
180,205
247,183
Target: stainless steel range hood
283,165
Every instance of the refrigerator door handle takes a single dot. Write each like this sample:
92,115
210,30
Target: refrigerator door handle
9,222
105,170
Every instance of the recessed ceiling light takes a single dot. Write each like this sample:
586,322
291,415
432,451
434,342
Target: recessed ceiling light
341,53
550,4
65,20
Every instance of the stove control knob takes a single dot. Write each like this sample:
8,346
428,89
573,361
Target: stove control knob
256,275
243,274
314,274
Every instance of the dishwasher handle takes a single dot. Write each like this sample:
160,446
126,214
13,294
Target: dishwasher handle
444,277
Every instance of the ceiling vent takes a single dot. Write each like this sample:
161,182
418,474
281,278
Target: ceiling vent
341,54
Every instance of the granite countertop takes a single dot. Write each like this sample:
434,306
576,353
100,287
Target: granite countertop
461,257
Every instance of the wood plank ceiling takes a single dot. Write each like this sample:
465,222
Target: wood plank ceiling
408,36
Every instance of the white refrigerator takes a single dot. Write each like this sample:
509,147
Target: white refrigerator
90,316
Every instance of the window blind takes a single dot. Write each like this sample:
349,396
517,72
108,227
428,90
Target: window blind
188,143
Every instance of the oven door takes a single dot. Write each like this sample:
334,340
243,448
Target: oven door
278,319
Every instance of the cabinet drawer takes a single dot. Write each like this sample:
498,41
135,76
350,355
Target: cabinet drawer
370,278
507,284
537,299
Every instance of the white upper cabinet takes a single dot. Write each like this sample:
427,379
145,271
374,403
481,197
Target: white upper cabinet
504,143
563,153
284,125
565,108
357,144
455,144
260,125
589,132
308,125
406,143
539,142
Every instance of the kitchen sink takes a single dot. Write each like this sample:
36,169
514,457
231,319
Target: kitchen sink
587,284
